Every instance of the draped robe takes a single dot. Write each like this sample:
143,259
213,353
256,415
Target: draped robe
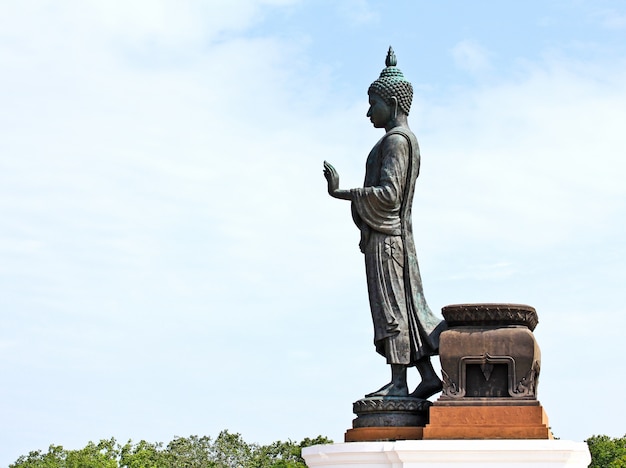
405,329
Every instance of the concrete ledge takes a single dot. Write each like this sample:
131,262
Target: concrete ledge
450,453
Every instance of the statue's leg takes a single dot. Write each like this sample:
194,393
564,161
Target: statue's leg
431,383
397,386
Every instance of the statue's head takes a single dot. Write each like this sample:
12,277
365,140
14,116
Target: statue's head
392,84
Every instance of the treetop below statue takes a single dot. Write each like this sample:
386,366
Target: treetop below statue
406,332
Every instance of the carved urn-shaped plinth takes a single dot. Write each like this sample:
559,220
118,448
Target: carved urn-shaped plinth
490,365
489,353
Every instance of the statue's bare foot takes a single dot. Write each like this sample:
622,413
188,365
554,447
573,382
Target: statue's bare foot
427,388
391,389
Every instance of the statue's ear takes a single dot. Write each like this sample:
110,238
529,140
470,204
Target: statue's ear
394,107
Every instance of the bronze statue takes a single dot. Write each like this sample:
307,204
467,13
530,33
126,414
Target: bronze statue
406,332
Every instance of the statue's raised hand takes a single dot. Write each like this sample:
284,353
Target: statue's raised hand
332,177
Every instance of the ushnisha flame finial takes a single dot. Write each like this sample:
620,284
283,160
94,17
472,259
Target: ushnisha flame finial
391,60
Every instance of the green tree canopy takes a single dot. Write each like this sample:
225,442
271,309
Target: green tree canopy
228,450
607,452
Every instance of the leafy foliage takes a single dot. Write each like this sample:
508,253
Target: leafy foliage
231,451
607,452
226,451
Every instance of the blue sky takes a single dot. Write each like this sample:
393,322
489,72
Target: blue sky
171,263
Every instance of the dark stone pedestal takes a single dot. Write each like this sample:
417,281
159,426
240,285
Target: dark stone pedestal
388,418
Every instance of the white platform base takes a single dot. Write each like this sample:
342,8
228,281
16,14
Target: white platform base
450,453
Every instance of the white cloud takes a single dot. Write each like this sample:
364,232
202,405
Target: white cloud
358,11
471,57
485,272
199,183
533,160
612,19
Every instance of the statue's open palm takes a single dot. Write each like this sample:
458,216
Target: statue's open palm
332,177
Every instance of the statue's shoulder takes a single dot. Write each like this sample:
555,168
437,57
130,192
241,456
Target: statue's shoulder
399,138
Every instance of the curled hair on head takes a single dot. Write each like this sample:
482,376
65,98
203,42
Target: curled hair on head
392,83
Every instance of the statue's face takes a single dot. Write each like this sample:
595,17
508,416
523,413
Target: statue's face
379,111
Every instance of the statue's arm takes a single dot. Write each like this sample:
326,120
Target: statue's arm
394,166
332,178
